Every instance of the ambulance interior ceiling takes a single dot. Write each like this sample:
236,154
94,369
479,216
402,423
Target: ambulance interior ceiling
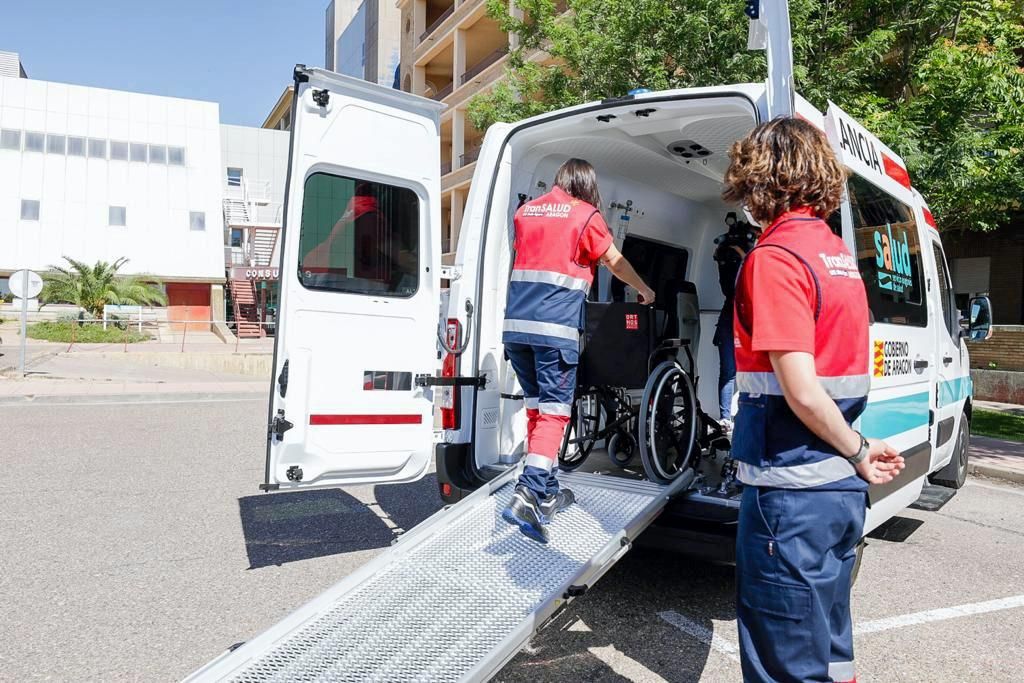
668,158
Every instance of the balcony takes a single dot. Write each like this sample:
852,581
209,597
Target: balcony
480,66
470,155
434,25
446,167
443,92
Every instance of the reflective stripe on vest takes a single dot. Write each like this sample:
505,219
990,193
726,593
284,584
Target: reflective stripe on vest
803,476
850,386
543,329
549,277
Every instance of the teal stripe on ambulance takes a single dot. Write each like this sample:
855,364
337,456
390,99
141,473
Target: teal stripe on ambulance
955,390
884,419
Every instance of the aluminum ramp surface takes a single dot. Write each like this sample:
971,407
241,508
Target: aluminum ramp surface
457,596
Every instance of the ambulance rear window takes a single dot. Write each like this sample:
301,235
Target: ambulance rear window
888,255
359,236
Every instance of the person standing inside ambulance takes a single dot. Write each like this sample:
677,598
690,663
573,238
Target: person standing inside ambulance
801,339
560,238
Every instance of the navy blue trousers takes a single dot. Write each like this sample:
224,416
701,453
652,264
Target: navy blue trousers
795,552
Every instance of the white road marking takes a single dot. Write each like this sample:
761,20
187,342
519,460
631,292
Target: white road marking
702,634
938,615
1001,489
76,404
625,666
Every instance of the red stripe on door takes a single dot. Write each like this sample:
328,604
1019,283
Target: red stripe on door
929,219
320,420
895,171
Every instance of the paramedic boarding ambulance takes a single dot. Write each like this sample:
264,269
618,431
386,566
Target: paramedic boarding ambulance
365,414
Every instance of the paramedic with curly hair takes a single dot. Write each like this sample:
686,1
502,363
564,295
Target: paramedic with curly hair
801,338
560,237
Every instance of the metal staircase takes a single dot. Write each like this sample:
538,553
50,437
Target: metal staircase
246,305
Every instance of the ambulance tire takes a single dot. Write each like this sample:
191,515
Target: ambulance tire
668,423
954,474
856,563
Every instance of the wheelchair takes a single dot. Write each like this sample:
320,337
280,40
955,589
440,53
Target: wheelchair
636,392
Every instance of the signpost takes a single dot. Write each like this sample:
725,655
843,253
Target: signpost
25,285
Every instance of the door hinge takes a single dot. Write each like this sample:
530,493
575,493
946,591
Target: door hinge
278,426
321,97
434,381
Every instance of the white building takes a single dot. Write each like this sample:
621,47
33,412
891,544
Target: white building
99,175
363,39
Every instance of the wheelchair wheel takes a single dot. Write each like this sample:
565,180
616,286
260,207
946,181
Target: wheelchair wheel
668,423
621,448
581,433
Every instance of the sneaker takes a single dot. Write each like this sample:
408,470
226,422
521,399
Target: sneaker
726,426
555,503
524,511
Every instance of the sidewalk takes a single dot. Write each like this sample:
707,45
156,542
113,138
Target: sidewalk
101,372
997,458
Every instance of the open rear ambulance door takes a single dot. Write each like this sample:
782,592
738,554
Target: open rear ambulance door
360,287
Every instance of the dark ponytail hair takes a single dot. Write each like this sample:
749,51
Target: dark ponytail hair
579,179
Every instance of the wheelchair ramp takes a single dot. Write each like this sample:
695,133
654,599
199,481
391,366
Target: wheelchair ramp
457,596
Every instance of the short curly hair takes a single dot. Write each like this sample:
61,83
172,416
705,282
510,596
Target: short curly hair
783,164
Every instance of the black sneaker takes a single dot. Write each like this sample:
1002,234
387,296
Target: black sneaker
555,503
524,511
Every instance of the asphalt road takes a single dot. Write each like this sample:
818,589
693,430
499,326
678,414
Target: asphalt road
136,546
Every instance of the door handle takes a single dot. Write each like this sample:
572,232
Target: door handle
920,364
946,360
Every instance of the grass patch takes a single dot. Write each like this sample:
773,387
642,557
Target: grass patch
998,425
61,331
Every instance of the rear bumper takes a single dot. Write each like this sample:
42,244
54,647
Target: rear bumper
696,528
455,478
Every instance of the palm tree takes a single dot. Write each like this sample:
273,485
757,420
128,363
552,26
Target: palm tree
93,287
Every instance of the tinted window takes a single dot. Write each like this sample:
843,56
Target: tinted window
97,149
118,150
359,236
945,292
10,139
888,254
117,215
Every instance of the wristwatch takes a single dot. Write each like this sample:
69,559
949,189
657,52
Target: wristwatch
861,453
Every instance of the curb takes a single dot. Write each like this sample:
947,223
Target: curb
169,397
996,472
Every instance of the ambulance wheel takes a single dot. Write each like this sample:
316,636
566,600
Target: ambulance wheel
668,423
622,448
581,432
954,474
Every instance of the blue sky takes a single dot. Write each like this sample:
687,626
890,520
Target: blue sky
239,54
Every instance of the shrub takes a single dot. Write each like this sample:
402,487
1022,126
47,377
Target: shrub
61,331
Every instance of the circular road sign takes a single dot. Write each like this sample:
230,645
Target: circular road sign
16,284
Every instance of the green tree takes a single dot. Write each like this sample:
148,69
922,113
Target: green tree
93,287
940,81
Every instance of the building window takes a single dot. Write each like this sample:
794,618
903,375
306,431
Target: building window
55,144
117,216
236,237
137,151
234,177
374,249
97,149
30,209
889,255
76,146
34,141
176,156
157,154
197,221
10,139
118,151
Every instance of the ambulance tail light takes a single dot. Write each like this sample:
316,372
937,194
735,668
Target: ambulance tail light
449,396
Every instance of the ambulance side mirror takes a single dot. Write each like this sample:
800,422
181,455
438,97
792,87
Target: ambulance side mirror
978,325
